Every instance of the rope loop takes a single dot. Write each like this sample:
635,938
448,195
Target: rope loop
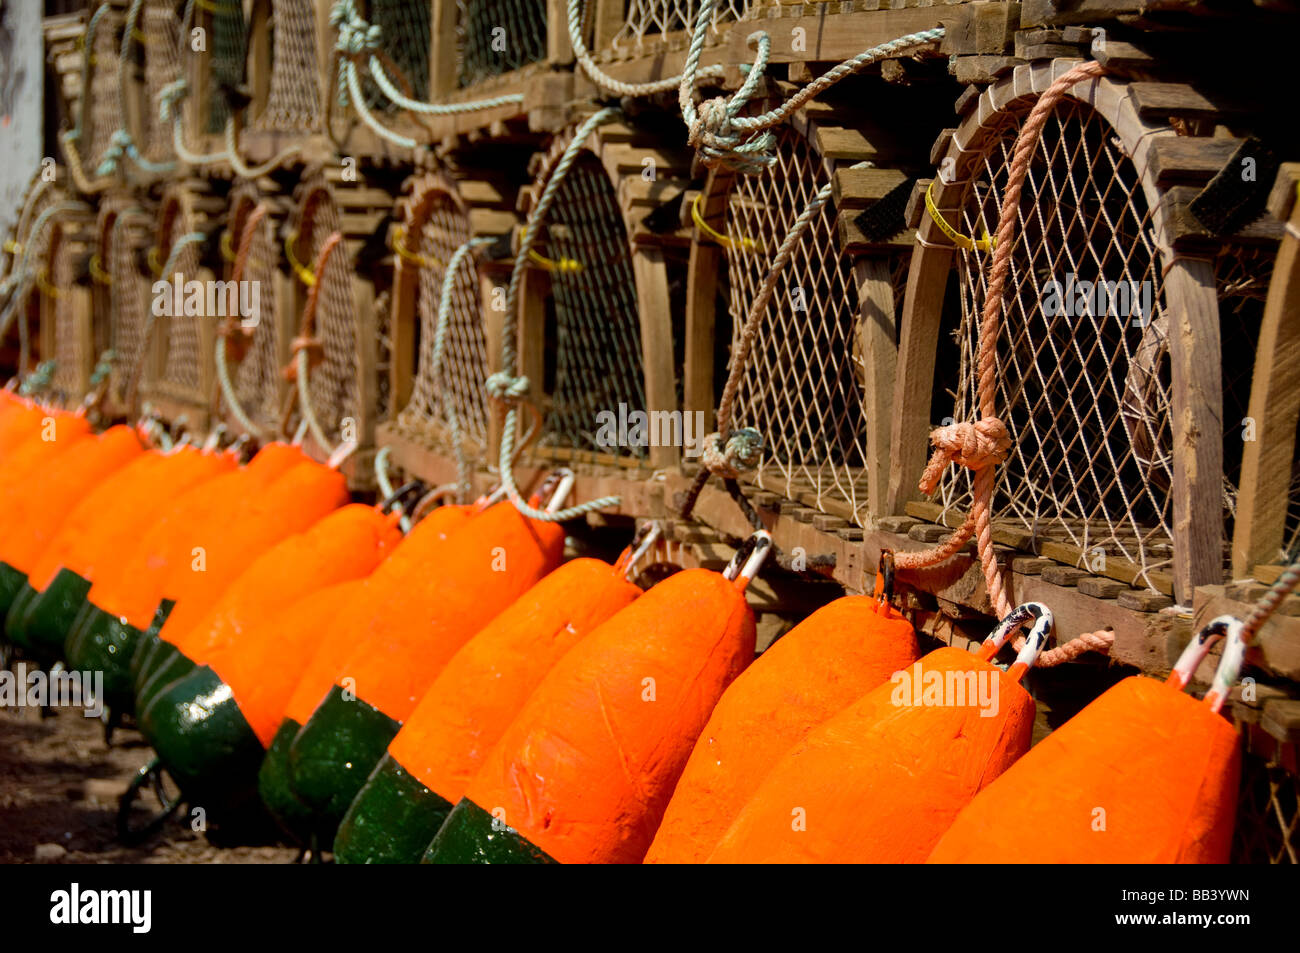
976,446
738,453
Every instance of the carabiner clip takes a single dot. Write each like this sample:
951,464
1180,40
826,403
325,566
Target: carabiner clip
884,593
1035,638
749,558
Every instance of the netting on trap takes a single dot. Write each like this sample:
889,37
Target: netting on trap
334,391
184,357
496,36
593,334
293,96
102,112
1083,376
406,27
252,259
649,20
227,49
68,339
802,387
436,228
1268,804
130,297
160,34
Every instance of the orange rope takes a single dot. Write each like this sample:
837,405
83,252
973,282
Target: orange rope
982,445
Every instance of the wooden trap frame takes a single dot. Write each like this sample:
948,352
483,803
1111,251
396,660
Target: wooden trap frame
67,334
175,372
595,328
253,351
103,107
335,321
1095,478
819,381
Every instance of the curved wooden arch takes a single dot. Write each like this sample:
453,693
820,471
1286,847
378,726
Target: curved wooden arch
650,359
853,488
1185,290
177,373
255,354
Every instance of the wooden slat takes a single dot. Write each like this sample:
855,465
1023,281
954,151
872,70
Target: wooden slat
1180,160
860,188
1264,489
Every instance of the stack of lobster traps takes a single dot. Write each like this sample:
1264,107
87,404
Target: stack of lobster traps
484,240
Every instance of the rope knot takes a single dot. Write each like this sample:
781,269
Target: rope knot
355,36
738,453
315,354
721,145
975,446
506,387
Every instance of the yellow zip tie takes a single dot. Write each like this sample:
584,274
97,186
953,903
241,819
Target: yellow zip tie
213,7
420,261
562,265
13,247
154,264
227,248
746,244
47,289
98,273
304,274
139,37
987,243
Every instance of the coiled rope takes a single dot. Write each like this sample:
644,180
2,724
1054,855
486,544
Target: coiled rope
725,139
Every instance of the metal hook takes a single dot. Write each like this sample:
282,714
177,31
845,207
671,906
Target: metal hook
886,595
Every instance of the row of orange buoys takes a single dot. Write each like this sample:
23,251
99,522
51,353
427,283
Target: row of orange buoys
460,693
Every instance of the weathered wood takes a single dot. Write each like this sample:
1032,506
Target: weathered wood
860,188
877,359
707,262
1100,588
656,342
1181,160
1196,413
1264,490
1276,648
1162,101
1063,575
831,37
1144,600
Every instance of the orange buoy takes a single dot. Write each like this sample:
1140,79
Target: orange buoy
19,419
193,720
584,772
1144,775
335,643
483,567
29,465
818,668
881,781
99,530
462,715
128,595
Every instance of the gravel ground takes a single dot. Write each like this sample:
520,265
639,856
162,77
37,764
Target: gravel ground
59,790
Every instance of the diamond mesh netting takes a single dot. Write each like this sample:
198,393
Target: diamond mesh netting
130,299
802,387
257,381
597,337
182,373
102,109
293,102
1268,806
69,378
1085,392
649,19
406,26
497,36
458,384
334,392
160,29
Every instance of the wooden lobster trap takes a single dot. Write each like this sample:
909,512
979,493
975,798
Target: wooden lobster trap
1111,342
253,345
337,338
596,335
287,77
174,371
102,109
67,332
818,384
445,336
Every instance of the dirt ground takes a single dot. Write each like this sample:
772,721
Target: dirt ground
59,790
